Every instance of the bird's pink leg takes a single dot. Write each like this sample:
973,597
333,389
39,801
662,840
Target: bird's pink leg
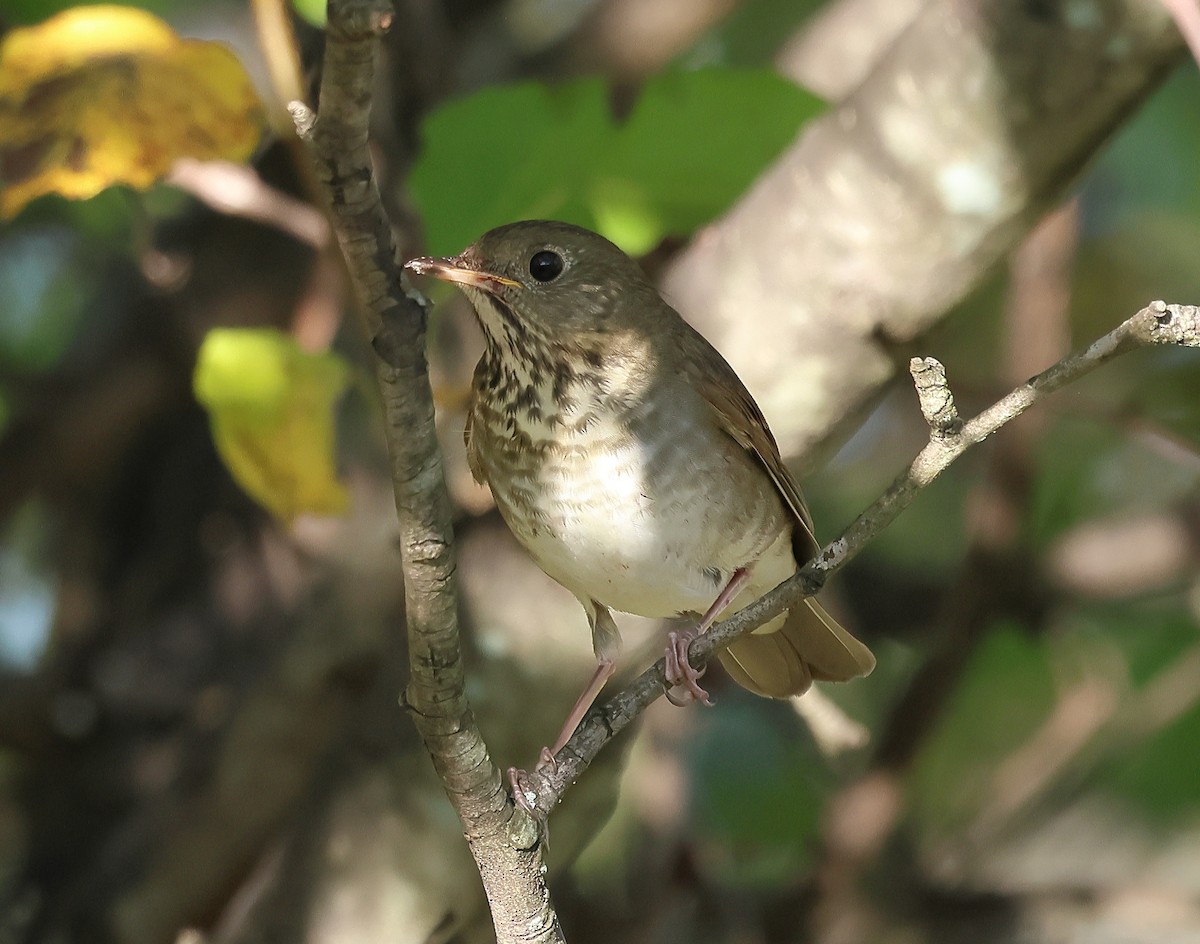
604,671
678,670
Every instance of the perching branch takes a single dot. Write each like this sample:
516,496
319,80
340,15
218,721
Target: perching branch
505,844
1157,323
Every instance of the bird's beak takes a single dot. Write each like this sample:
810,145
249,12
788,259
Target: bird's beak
455,269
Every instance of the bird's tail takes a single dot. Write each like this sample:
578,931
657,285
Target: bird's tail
809,645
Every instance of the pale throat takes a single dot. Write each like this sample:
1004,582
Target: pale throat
559,387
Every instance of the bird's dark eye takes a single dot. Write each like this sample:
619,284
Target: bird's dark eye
546,266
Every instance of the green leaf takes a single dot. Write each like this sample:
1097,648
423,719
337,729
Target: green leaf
693,142
271,408
311,10
507,153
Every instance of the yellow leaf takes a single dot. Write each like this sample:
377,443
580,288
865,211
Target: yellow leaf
106,94
271,406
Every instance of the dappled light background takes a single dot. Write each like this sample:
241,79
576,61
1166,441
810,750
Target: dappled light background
200,737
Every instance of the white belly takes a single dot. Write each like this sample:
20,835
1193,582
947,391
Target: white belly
650,530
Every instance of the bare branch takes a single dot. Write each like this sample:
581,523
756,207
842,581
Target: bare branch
1157,323
842,42
505,843
236,190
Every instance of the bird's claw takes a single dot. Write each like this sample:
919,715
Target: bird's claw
517,782
521,795
679,671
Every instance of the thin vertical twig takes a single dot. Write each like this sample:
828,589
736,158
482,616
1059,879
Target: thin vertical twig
506,843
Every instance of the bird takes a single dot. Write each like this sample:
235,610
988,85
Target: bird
627,457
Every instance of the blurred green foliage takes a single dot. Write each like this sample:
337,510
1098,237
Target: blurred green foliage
750,35
26,12
691,144
53,262
1132,176
1151,776
1090,469
1001,700
758,793
41,303
311,10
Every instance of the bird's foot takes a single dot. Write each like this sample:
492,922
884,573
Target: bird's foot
518,786
680,673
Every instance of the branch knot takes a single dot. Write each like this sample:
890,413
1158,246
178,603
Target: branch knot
1160,323
933,391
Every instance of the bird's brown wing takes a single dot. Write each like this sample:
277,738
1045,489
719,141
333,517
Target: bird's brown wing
739,416
827,649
